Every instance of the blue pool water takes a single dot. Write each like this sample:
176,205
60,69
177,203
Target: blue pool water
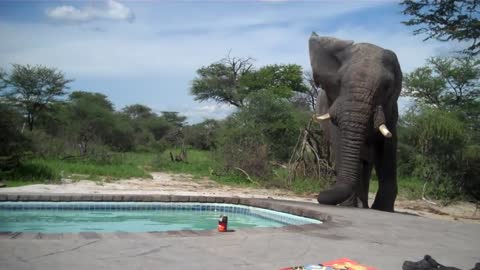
64,217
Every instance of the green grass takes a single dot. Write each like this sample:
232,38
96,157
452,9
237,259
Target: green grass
200,163
30,172
409,188
203,164
125,165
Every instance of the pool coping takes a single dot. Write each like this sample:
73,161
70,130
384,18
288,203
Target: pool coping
271,204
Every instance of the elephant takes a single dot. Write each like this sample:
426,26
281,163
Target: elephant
357,109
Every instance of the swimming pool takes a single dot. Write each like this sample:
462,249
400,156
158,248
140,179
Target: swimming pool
69,217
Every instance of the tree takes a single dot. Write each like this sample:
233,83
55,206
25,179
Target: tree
440,134
174,118
92,118
447,83
446,20
138,111
33,88
220,81
280,80
232,80
433,146
12,142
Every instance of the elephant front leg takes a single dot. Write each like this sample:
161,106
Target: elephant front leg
386,168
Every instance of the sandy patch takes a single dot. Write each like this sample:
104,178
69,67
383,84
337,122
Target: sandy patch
182,184
161,183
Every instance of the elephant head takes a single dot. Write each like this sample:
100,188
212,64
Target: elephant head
361,84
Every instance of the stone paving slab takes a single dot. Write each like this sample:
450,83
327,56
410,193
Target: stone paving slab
380,239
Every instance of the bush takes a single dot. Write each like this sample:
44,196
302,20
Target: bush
434,146
47,146
31,171
249,155
202,136
13,144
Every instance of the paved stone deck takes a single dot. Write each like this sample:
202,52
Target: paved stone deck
375,238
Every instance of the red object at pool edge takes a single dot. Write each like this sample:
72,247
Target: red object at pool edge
222,223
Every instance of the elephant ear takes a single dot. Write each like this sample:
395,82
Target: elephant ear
326,56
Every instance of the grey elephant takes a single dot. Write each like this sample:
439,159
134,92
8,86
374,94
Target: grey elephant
358,112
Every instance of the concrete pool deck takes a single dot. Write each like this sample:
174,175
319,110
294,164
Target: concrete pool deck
374,238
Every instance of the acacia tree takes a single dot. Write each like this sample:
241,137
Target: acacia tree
220,81
34,88
446,20
232,80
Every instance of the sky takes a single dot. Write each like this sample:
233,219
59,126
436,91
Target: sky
148,52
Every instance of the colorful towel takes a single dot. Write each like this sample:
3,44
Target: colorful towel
340,264
309,267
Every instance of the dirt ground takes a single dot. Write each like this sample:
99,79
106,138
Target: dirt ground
182,184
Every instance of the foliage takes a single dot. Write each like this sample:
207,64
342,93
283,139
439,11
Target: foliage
281,81
438,139
447,83
446,20
31,171
232,80
202,135
220,81
200,163
269,120
174,119
13,144
138,112
438,134
115,166
92,118
12,140
34,88
265,129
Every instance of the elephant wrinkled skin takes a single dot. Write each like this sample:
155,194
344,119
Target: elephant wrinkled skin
358,111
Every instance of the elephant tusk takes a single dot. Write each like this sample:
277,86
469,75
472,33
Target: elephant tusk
323,117
384,130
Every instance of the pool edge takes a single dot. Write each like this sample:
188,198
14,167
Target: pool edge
271,204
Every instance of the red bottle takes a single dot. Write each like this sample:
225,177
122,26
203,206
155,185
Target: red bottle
222,223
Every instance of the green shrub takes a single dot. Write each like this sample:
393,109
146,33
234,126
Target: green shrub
32,171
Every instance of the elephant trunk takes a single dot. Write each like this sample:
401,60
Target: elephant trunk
352,124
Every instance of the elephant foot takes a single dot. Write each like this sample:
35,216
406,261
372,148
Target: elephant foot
383,207
383,204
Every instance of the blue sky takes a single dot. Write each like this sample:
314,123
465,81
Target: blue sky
147,52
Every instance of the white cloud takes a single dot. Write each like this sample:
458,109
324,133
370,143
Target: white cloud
161,55
207,111
112,10
197,112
